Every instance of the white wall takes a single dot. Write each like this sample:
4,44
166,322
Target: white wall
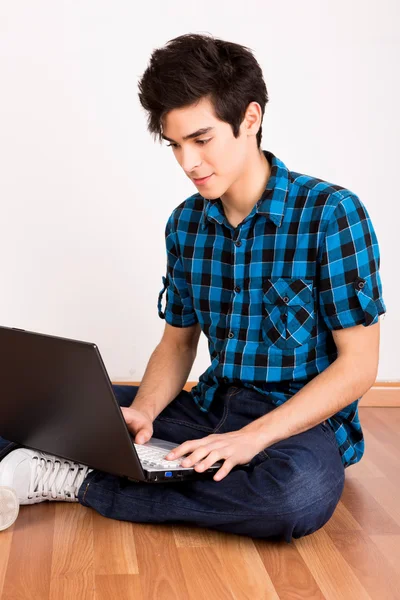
85,192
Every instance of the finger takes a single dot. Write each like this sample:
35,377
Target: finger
182,449
143,436
196,456
224,470
212,458
218,448
186,447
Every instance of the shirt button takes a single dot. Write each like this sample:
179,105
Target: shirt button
359,283
230,334
237,289
238,243
286,299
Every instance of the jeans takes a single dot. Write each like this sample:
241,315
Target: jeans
290,490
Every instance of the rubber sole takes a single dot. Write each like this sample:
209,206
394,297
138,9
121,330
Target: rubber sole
9,507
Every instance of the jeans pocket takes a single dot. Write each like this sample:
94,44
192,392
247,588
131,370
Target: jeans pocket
289,312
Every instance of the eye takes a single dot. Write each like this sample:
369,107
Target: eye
200,142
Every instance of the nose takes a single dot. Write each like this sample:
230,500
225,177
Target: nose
190,160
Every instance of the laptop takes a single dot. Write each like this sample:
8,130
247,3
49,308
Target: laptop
56,397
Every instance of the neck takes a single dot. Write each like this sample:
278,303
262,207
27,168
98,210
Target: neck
242,196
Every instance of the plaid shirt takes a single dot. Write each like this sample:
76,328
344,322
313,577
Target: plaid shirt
268,293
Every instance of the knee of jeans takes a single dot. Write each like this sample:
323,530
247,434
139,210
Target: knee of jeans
319,496
312,492
311,515
309,522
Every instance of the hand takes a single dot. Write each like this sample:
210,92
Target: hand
236,447
139,424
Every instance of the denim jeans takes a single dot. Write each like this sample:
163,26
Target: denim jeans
290,490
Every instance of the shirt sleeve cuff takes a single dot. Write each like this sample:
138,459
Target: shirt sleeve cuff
350,318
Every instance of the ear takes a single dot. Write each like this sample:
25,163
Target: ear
252,119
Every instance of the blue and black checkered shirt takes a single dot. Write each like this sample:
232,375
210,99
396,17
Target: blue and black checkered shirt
268,293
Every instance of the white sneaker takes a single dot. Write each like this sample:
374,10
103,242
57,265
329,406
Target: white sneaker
9,507
36,476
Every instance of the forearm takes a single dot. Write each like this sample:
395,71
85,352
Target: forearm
336,387
165,376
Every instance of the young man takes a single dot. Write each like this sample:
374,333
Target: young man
280,270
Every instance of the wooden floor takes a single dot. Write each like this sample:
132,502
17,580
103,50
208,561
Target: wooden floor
58,550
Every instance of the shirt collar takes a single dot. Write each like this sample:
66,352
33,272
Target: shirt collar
272,202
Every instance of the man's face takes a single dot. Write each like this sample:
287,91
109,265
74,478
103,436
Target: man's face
215,152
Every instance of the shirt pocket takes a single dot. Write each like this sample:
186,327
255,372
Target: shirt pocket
288,312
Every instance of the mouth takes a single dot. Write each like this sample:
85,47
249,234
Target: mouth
202,180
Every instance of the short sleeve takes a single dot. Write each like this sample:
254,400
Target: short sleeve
179,310
350,287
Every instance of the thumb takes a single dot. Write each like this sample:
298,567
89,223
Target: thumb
143,436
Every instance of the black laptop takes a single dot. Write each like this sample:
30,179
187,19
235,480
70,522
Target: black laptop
56,397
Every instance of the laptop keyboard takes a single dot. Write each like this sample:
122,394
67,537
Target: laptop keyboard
154,457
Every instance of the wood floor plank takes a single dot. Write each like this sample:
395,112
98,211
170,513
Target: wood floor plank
240,565
366,510
364,468
369,565
160,569
72,566
290,576
334,576
204,573
121,587
389,546
5,547
243,569
379,453
114,547
386,493
186,536
29,565
388,415
385,424
231,568
381,431
343,519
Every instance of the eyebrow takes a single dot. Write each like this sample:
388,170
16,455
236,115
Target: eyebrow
191,135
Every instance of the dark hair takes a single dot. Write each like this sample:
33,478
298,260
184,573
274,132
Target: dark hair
194,66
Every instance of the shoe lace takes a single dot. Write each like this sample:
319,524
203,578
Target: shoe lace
57,479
